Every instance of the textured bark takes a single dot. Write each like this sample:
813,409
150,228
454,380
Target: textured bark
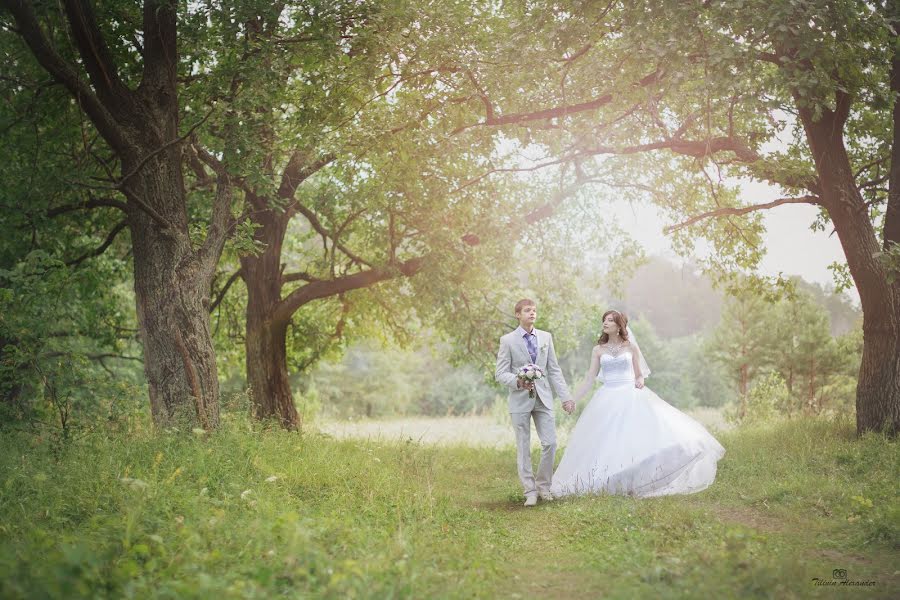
878,389
269,314
267,373
172,293
171,280
266,336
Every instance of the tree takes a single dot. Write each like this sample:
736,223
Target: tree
385,194
804,352
791,338
836,95
701,88
741,341
125,78
315,64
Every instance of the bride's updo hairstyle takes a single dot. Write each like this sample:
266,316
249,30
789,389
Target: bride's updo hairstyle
621,320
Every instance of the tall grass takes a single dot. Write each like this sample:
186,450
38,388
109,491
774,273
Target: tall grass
251,513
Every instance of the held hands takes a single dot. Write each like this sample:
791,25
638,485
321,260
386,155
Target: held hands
568,405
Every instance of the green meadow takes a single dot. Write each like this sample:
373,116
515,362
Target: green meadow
248,512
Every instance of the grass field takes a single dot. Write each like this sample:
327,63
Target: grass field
245,513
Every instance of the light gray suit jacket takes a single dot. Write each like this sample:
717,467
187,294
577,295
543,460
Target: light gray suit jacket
514,354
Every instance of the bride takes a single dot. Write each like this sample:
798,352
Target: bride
628,440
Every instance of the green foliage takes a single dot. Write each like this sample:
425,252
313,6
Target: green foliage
379,381
55,341
891,260
740,341
788,343
682,373
766,398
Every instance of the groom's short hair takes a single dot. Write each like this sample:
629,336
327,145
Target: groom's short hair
523,303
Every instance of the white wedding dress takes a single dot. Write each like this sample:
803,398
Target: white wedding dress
629,441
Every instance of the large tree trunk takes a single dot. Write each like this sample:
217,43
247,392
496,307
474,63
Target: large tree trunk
878,389
172,296
267,373
171,280
269,313
266,336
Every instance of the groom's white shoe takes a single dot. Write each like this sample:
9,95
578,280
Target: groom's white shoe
546,496
530,500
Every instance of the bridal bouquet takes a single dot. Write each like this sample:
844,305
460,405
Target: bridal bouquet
530,373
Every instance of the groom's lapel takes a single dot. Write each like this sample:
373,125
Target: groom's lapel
542,343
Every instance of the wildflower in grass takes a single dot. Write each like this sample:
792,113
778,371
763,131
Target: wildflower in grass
245,494
174,474
272,479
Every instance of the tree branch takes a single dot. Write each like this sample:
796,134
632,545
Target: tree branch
220,224
98,61
64,73
488,106
108,355
490,172
137,201
162,148
323,289
102,248
558,111
160,51
90,203
733,211
298,170
299,276
538,213
537,115
221,295
338,333
320,229
695,148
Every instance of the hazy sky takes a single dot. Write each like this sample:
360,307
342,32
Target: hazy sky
792,248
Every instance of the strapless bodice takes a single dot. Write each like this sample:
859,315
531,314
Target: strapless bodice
616,369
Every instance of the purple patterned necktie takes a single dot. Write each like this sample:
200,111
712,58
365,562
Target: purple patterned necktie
531,343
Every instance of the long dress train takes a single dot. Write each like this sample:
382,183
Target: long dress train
629,441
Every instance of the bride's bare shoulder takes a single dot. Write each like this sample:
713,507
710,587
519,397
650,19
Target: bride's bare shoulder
598,348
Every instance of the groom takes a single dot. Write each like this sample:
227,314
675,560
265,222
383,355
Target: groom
523,346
